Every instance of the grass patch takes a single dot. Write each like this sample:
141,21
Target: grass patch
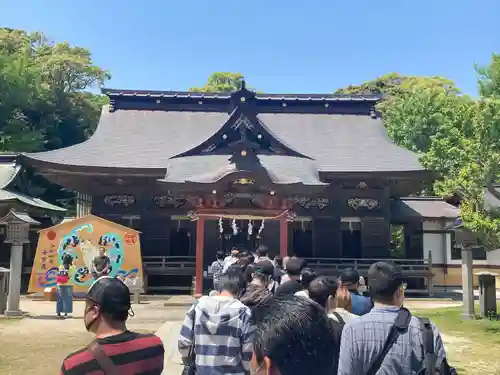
38,347
471,345
41,354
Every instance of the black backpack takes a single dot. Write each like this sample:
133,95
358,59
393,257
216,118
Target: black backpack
339,318
430,355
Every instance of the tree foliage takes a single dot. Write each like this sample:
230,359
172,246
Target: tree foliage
489,77
455,135
221,82
44,104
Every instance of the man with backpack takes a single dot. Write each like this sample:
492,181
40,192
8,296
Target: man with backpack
389,340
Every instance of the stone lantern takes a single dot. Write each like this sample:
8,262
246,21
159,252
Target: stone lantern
466,240
17,226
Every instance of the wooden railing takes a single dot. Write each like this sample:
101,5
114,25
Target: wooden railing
169,265
26,270
411,268
339,264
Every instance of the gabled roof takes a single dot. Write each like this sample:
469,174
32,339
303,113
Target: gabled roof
83,220
169,133
8,172
423,207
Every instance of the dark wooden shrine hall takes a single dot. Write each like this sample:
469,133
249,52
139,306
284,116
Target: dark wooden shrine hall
319,170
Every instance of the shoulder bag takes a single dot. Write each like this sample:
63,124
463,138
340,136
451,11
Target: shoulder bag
339,317
102,359
400,326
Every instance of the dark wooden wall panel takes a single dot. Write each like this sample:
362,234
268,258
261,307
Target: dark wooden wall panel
414,241
155,235
271,237
327,238
212,242
375,237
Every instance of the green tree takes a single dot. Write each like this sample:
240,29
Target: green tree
221,82
489,77
44,102
455,135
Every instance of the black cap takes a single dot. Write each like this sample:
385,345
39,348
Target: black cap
264,267
349,277
111,294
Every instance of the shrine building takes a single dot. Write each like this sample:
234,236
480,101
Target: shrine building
311,175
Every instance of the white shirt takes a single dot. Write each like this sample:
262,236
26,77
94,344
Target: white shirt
302,293
344,314
228,262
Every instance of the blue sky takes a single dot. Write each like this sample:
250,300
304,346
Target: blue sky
280,46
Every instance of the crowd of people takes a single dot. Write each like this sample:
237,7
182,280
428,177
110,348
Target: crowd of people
270,317
277,317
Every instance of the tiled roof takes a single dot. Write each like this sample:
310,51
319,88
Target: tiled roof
427,207
224,95
208,169
145,138
8,172
6,196
148,139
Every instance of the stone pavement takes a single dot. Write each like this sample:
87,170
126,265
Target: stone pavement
169,334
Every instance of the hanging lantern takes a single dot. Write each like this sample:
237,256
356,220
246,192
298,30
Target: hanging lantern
250,228
221,227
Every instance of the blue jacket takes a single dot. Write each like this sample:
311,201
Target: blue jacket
360,305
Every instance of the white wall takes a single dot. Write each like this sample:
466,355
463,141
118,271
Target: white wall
493,257
434,242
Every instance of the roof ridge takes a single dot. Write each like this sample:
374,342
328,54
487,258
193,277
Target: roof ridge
227,95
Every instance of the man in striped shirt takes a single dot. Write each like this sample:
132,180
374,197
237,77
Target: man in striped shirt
115,349
219,329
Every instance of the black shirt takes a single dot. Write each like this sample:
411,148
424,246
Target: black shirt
336,329
277,274
289,287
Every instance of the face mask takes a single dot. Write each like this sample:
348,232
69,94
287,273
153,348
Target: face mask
91,323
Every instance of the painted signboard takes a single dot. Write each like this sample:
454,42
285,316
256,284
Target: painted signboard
83,239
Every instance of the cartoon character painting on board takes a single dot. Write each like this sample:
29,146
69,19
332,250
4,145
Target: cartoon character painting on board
79,245
83,250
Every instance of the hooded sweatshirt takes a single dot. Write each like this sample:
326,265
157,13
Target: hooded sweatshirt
221,331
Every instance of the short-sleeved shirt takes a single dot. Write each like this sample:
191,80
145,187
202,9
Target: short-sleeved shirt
363,339
133,354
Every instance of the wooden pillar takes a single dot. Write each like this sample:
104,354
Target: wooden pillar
200,244
283,237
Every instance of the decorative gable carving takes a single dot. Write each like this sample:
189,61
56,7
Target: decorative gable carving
242,132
